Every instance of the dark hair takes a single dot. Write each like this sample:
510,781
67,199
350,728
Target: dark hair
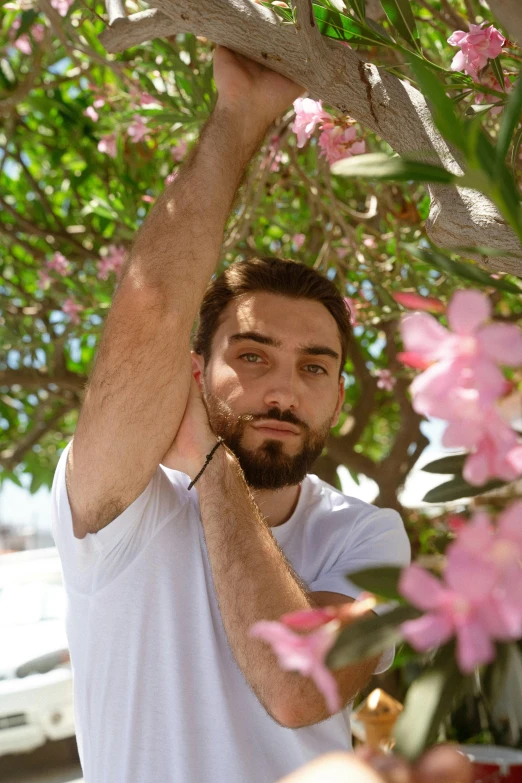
271,275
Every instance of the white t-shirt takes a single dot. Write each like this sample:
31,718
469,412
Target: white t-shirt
158,695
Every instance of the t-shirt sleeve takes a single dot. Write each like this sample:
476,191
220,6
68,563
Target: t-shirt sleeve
379,539
115,545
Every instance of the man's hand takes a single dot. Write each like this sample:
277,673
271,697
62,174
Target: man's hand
195,438
257,94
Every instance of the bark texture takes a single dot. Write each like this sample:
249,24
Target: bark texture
334,73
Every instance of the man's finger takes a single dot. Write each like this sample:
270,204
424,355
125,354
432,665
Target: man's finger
443,764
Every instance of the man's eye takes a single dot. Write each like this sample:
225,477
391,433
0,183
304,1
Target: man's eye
248,357
315,369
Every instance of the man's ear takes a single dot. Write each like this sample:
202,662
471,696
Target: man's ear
340,400
198,368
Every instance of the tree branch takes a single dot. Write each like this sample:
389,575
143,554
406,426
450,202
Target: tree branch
508,12
385,104
40,379
10,457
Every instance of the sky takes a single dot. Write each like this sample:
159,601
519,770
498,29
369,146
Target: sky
19,507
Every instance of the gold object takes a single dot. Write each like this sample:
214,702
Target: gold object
377,716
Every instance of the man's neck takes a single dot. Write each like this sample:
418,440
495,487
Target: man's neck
277,506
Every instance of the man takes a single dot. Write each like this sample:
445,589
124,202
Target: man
165,577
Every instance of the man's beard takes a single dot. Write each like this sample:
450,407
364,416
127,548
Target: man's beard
268,467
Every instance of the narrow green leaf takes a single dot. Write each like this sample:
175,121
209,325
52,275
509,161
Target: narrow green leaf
401,17
517,139
344,28
457,269
510,120
452,464
369,636
429,699
458,488
381,166
381,581
359,7
496,67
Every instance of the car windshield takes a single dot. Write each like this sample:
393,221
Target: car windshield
31,601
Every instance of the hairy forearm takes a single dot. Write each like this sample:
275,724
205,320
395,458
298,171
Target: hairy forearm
177,248
254,581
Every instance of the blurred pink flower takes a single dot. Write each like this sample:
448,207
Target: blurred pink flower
306,653
298,240
112,261
44,280
23,43
370,242
91,112
416,302
108,144
463,361
72,308
171,177
481,97
476,47
62,6
386,380
59,263
337,143
148,199
308,114
179,150
138,130
146,99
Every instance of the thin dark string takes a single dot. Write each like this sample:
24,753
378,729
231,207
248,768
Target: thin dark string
209,457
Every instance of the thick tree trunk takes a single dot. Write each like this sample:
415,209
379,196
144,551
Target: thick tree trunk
334,73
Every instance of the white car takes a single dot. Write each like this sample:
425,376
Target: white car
36,695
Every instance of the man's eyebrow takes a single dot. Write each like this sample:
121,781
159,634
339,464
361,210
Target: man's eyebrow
307,350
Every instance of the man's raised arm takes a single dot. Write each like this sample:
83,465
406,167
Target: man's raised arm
138,390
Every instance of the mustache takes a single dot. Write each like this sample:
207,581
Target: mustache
277,415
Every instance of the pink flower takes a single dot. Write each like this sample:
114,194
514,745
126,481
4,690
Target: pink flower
138,130
72,308
336,143
298,240
306,653
44,280
308,114
60,264
23,43
370,242
464,360
146,99
386,380
476,47
346,247
112,261
148,199
179,150
108,144
416,302
171,177
91,112
62,6
490,81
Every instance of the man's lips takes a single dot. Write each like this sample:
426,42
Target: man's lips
276,427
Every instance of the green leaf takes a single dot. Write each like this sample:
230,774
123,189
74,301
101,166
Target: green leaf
344,28
517,139
381,166
429,700
369,636
359,7
452,464
510,120
496,67
459,488
382,581
401,18
458,269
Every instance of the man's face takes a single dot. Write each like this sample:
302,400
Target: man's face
272,387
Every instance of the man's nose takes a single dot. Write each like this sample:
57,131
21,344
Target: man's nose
281,390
